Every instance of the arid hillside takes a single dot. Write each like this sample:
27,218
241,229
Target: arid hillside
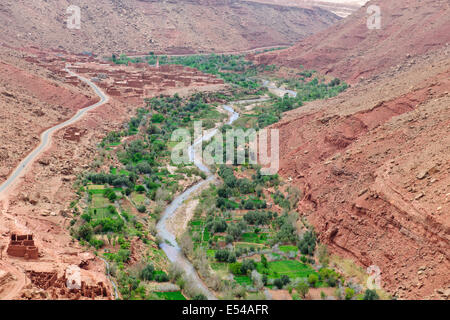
351,51
32,100
374,164
143,26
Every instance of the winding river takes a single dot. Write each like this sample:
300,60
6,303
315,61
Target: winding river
169,244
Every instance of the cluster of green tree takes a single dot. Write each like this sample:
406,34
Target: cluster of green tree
307,244
219,224
265,180
269,115
121,256
329,276
259,218
242,268
123,59
315,89
371,295
286,231
103,225
244,250
149,273
137,151
110,194
282,281
253,203
236,93
232,68
111,179
108,224
280,200
135,122
234,187
306,91
215,224
224,255
112,137
130,286
235,230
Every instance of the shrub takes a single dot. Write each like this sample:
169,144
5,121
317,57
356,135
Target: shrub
228,239
140,189
278,283
302,288
371,295
110,194
307,244
235,268
285,279
349,293
222,255
96,243
248,265
162,277
231,257
85,232
123,255
264,261
216,225
86,217
147,272
313,279
157,118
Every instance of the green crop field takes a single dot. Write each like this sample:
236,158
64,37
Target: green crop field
288,248
139,199
176,295
243,280
292,268
99,201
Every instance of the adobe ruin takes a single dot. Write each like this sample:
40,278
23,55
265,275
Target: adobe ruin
58,287
22,246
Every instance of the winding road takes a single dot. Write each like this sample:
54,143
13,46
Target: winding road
45,142
46,135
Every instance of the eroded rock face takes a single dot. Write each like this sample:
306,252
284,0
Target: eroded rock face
376,173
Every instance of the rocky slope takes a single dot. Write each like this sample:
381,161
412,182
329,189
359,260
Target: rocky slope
32,100
374,165
351,51
142,26
374,162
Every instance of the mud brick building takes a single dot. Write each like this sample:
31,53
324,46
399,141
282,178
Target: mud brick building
22,246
